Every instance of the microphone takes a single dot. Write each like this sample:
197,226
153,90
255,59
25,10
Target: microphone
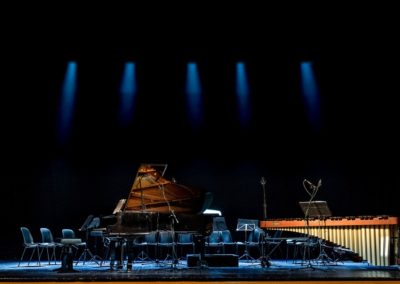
309,183
174,217
319,183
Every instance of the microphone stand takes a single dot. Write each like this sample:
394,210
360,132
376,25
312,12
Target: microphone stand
312,194
174,254
263,259
263,182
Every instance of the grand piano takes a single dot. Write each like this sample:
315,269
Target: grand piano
155,204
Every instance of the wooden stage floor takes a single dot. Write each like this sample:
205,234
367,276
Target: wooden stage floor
279,271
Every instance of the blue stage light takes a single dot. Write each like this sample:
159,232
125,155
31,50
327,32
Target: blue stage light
128,92
310,94
68,93
242,94
193,94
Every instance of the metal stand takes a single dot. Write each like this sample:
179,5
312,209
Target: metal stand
307,208
241,226
320,210
142,256
263,182
323,256
173,256
264,259
87,252
90,223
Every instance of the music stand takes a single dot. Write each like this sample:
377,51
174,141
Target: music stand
246,225
219,224
87,226
86,223
316,209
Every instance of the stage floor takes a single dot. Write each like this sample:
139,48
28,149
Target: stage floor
164,271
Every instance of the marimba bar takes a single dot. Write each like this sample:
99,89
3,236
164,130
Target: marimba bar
375,239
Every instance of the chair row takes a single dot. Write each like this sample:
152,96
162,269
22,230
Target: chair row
153,246
222,242
218,241
155,242
47,244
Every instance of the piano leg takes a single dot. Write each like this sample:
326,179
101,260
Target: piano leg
119,249
129,254
200,244
116,253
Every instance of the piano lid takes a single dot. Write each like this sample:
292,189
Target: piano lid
152,192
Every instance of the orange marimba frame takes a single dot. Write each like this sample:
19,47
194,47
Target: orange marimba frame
374,238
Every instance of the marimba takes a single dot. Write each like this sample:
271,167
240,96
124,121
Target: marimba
374,238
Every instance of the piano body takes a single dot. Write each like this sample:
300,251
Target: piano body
156,203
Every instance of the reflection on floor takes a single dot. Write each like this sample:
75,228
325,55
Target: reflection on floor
247,270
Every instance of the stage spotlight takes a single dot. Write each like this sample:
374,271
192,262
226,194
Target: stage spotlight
128,91
242,94
310,94
67,101
193,95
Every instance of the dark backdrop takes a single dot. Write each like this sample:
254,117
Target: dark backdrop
355,152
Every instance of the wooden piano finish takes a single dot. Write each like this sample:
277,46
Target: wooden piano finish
156,203
374,238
